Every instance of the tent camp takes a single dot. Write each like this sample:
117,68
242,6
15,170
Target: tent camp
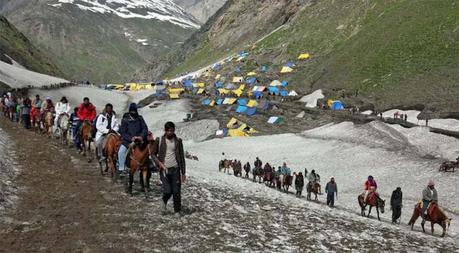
238,79
217,77
229,101
217,66
218,84
259,88
273,90
230,86
290,64
283,93
200,91
284,84
219,101
275,83
237,69
199,85
304,56
257,94
253,73
286,70
187,83
275,120
337,105
206,102
174,95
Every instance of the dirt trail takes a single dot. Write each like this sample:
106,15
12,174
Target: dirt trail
66,206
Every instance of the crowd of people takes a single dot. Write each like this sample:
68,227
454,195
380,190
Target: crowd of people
168,156
264,174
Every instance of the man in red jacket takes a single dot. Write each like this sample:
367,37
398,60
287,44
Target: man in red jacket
87,111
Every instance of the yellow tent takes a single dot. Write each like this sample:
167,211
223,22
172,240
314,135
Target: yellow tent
223,91
232,122
217,77
286,69
231,101
251,74
252,103
330,102
242,87
200,91
237,133
238,92
176,90
200,85
212,103
304,56
238,79
174,95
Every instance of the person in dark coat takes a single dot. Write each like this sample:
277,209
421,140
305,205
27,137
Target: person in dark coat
133,127
299,184
170,158
396,204
247,169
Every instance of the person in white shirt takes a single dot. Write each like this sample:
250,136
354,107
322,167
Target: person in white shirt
62,107
106,123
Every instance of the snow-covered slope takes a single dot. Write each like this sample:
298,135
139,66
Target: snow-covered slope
18,77
164,10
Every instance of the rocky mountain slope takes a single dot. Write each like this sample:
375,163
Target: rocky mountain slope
101,41
381,54
201,9
15,48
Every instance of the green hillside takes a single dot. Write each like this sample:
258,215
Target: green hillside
379,52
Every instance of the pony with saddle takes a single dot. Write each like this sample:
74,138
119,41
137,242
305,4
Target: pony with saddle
449,166
434,214
111,148
373,200
137,160
86,138
312,187
63,124
287,182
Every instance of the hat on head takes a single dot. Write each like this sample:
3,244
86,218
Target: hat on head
133,107
431,183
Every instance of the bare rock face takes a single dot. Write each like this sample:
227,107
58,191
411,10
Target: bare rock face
202,10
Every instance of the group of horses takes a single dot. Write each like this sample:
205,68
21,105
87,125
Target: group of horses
269,177
272,179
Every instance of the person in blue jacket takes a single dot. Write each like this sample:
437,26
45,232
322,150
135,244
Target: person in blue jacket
133,127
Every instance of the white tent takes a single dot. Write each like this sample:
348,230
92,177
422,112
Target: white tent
275,83
293,94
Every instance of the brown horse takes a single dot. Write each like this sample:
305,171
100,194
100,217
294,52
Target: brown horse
434,214
268,179
64,128
312,188
48,122
287,182
112,145
86,138
449,166
373,200
138,161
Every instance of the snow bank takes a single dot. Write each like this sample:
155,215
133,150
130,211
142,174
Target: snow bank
311,99
368,112
447,124
75,95
349,153
18,77
8,173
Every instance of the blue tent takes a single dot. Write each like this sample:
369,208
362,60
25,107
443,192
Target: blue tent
188,83
257,94
217,66
274,90
237,70
290,64
284,84
264,105
218,84
206,102
241,109
220,101
242,101
263,68
251,80
337,105
251,111
284,93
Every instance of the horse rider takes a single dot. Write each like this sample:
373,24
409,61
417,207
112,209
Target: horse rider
62,107
429,195
133,127
370,187
25,112
86,112
299,183
285,171
106,123
312,177
47,106
257,163
37,102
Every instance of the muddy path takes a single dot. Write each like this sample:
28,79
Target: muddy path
66,206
